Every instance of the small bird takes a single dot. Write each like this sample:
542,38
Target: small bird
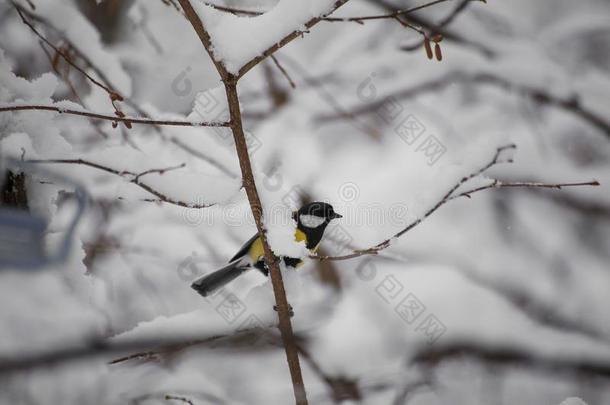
312,220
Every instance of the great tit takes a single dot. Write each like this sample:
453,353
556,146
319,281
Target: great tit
311,219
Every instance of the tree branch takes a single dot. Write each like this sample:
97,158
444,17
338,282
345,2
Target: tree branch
438,28
102,347
286,40
135,178
513,356
450,195
570,104
113,94
116,118
107,85
271,261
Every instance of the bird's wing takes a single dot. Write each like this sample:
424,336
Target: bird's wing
244,249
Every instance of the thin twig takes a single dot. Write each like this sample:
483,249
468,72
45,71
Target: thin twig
251,13
181,399
437,28
287,39
160,171
524,184
115,118
392,15
135,178
109,86
113,95
450,195
214,162
342,388
281,68
103,347
271,261
540,95
236,11
513,356
328,96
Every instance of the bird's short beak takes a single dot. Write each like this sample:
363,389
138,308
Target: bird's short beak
336,216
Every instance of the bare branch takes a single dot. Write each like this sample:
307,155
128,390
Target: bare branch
390,16
214,162
281,69
514,356
103,347
342,388
107,86
160,171
230,83
236,11
181,399
318,85
116,118
524,184
135,178
271,261
570,104
450,195
437,28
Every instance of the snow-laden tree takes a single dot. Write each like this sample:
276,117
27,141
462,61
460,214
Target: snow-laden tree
461,141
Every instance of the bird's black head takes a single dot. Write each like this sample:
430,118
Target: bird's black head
315,214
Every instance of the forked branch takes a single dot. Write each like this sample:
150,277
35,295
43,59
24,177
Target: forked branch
453,194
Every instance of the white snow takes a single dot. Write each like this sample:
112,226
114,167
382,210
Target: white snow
237,40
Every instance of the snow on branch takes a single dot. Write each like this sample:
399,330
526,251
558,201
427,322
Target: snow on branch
58,108
240,44
163,196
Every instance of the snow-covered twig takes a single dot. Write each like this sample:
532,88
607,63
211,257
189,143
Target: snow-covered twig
21,11
272,262
450,195
133,178
287,39
113,118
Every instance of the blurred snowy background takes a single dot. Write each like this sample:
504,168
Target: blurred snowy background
502,298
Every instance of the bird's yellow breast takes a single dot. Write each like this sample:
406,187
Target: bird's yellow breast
257,252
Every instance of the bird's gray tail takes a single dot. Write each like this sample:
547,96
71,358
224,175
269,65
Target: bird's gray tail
211,282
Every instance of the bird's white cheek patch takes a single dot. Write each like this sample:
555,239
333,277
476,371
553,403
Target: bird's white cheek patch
311,221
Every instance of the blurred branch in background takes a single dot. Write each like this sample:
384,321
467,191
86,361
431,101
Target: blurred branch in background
146,349
108,16
570,105
512,356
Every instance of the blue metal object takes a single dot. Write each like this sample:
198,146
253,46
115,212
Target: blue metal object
22,235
